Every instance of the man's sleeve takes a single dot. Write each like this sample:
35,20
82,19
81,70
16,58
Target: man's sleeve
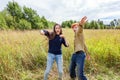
80,29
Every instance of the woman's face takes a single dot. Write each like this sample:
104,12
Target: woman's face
57,29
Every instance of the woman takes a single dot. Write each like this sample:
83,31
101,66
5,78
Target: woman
56,39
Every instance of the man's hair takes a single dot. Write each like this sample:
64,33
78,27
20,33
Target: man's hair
74,24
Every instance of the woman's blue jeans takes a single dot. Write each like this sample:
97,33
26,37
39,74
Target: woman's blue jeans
50,59
78,60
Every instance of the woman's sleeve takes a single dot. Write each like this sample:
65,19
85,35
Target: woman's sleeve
46,33
65,43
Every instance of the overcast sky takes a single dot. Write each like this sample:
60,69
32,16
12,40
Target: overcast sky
61,10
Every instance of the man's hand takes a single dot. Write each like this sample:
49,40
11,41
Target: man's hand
83,20
88,57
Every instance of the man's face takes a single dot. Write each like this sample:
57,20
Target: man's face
75,28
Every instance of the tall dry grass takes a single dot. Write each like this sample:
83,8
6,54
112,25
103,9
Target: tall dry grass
23,55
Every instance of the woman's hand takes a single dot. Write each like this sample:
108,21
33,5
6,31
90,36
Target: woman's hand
66,43
42,32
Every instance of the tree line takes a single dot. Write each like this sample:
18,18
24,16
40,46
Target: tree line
23,18
16,17
114,24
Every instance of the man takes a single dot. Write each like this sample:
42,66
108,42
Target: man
80,49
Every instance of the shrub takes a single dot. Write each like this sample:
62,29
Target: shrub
23,24
2,23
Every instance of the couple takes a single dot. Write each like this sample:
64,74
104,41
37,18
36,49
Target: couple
56,39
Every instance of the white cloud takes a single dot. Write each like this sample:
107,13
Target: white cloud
61,10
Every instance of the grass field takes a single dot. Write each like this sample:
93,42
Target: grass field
23,55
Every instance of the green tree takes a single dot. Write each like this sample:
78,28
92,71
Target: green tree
2,22
51,24
15,10
45,22
31,16
94,25
67,24
87,25
17,17
112,23
8,18
118,22
101,24
24,24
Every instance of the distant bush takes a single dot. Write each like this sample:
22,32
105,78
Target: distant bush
24,24
2,23
118,27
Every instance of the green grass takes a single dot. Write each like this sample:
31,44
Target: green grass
23,55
